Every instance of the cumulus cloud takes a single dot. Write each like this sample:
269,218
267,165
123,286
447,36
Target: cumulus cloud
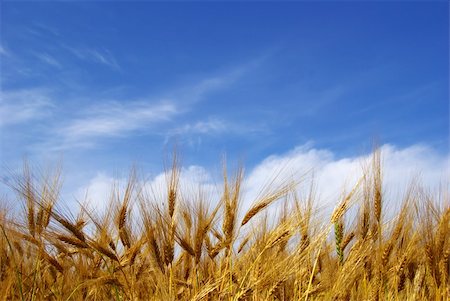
193,179
331,175
97,192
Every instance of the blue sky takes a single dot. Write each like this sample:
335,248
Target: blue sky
105,84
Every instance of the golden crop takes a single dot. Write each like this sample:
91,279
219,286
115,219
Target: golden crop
184,248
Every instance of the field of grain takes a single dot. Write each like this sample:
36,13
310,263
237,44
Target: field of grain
184,248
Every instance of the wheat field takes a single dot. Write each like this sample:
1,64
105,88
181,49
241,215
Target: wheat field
185,247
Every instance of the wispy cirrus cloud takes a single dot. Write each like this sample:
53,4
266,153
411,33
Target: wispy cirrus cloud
125,117
88,120
214,126
3,51
94,55
21,106
48,59
46,28
115,119
210,126
39,30
196,134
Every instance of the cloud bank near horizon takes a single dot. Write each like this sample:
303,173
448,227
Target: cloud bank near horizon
330,176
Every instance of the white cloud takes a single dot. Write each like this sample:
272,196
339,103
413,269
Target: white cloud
114,118
191,134
334,175
4,52
48,59
196,92
85,126
103,56
210,126
20,106
331,175
98,191
46,28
